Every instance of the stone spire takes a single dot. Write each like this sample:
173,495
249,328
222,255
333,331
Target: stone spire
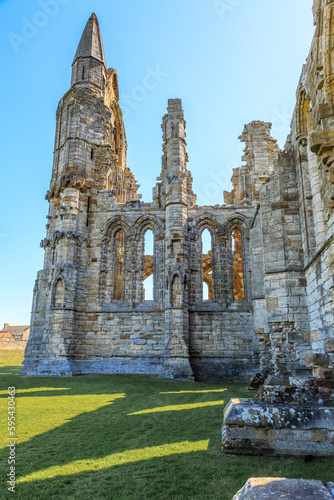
91,44
89,65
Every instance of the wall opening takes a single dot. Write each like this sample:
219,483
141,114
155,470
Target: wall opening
238,267
59,294
148,273
205,290
304,116
83,73
207,277
119,266
176,292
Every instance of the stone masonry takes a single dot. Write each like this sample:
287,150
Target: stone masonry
292,414
270,268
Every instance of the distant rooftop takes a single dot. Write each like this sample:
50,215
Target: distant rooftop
16,331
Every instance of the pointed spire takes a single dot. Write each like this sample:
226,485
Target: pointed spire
91,44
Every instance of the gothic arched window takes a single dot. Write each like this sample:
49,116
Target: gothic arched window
238,267
148,271
118,292
207,270
59,294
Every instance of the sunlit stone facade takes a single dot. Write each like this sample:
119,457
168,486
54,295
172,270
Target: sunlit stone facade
269,273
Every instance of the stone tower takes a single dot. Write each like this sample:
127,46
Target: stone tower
90,156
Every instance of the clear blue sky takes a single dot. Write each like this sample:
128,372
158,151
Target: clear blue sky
231,62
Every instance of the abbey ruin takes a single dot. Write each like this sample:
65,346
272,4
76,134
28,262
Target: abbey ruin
269,273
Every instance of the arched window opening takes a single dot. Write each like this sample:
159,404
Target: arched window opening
205,291
119,266
207,281
83,73
176,292
59,294
238,268
304,115
148,266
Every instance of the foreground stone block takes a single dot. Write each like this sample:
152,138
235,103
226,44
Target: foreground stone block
265,488
258,428
330,487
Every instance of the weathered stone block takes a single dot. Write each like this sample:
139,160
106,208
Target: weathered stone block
316,359
266,488
329,345
280,430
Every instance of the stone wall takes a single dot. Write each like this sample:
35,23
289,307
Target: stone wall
13,346
223,345
320,296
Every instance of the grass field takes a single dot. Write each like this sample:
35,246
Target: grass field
127,437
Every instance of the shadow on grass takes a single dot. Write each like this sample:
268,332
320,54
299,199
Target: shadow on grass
109,429
10,370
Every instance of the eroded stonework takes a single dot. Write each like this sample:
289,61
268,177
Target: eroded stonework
269,272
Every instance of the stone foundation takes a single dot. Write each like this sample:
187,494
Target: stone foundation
57,367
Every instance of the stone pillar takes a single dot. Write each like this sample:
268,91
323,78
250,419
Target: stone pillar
175,180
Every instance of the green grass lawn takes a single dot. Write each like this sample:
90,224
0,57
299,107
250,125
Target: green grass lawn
127,437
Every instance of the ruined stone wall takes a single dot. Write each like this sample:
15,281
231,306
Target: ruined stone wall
223,345
312,135
89,313
319,277
260,153
282,246
270,268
